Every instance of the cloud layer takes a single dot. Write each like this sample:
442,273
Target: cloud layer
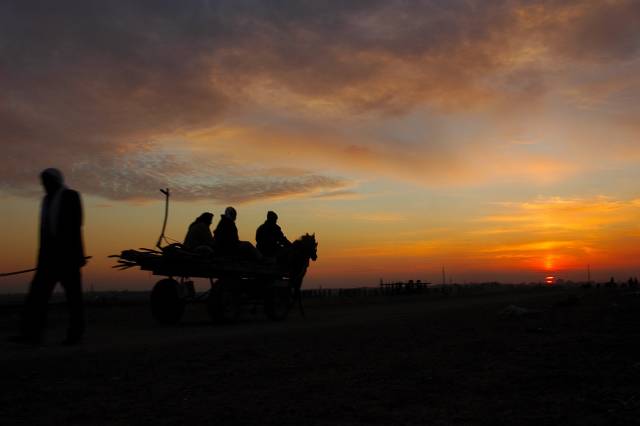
100,89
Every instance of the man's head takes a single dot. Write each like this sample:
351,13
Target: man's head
206,218
272,217
52,180
230,213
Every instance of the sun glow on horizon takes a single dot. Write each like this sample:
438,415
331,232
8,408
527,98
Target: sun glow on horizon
549,262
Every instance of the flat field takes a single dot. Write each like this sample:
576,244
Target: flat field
485,356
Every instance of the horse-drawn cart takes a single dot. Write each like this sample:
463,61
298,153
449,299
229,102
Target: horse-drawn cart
271,283
234,283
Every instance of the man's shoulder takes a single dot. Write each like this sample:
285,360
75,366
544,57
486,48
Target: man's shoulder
201,226
226,223
68,192
71,194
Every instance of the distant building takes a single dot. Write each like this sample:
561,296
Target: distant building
401,287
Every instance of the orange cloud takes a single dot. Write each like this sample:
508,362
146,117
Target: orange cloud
561,233
546,235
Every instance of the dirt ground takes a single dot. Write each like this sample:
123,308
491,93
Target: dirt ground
467,358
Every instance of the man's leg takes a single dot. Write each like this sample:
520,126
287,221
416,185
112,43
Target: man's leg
72,283
35,308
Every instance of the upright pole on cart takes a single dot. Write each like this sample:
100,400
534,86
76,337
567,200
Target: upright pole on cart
166,215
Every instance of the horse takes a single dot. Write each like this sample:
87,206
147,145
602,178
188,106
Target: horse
295,260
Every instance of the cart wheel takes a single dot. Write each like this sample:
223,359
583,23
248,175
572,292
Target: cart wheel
222,304
277,303
167,306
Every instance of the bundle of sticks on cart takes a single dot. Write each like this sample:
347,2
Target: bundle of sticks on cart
176,261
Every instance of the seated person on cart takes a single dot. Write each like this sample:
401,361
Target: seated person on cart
199,236
226,241
269,237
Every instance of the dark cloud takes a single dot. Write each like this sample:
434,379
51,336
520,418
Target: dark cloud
136,176
86,83
601,31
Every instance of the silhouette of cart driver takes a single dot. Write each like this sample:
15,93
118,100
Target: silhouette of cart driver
199,234
60,257
269,237
226,241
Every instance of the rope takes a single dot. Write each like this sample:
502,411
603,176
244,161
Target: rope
8,274
169,240
18,272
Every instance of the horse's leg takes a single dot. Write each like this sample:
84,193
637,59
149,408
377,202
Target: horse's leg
299,297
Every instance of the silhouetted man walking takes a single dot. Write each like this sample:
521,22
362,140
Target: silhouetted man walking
60,257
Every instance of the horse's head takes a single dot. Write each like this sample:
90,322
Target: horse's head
309,246
302,249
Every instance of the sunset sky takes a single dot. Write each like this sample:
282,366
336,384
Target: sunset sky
499,139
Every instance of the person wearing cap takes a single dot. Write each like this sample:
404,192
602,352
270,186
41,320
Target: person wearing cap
226,241
199,233
225,236
269,237
60,257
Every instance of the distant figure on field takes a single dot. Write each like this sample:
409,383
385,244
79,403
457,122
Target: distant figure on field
60,257
199,234
269,237
226,241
